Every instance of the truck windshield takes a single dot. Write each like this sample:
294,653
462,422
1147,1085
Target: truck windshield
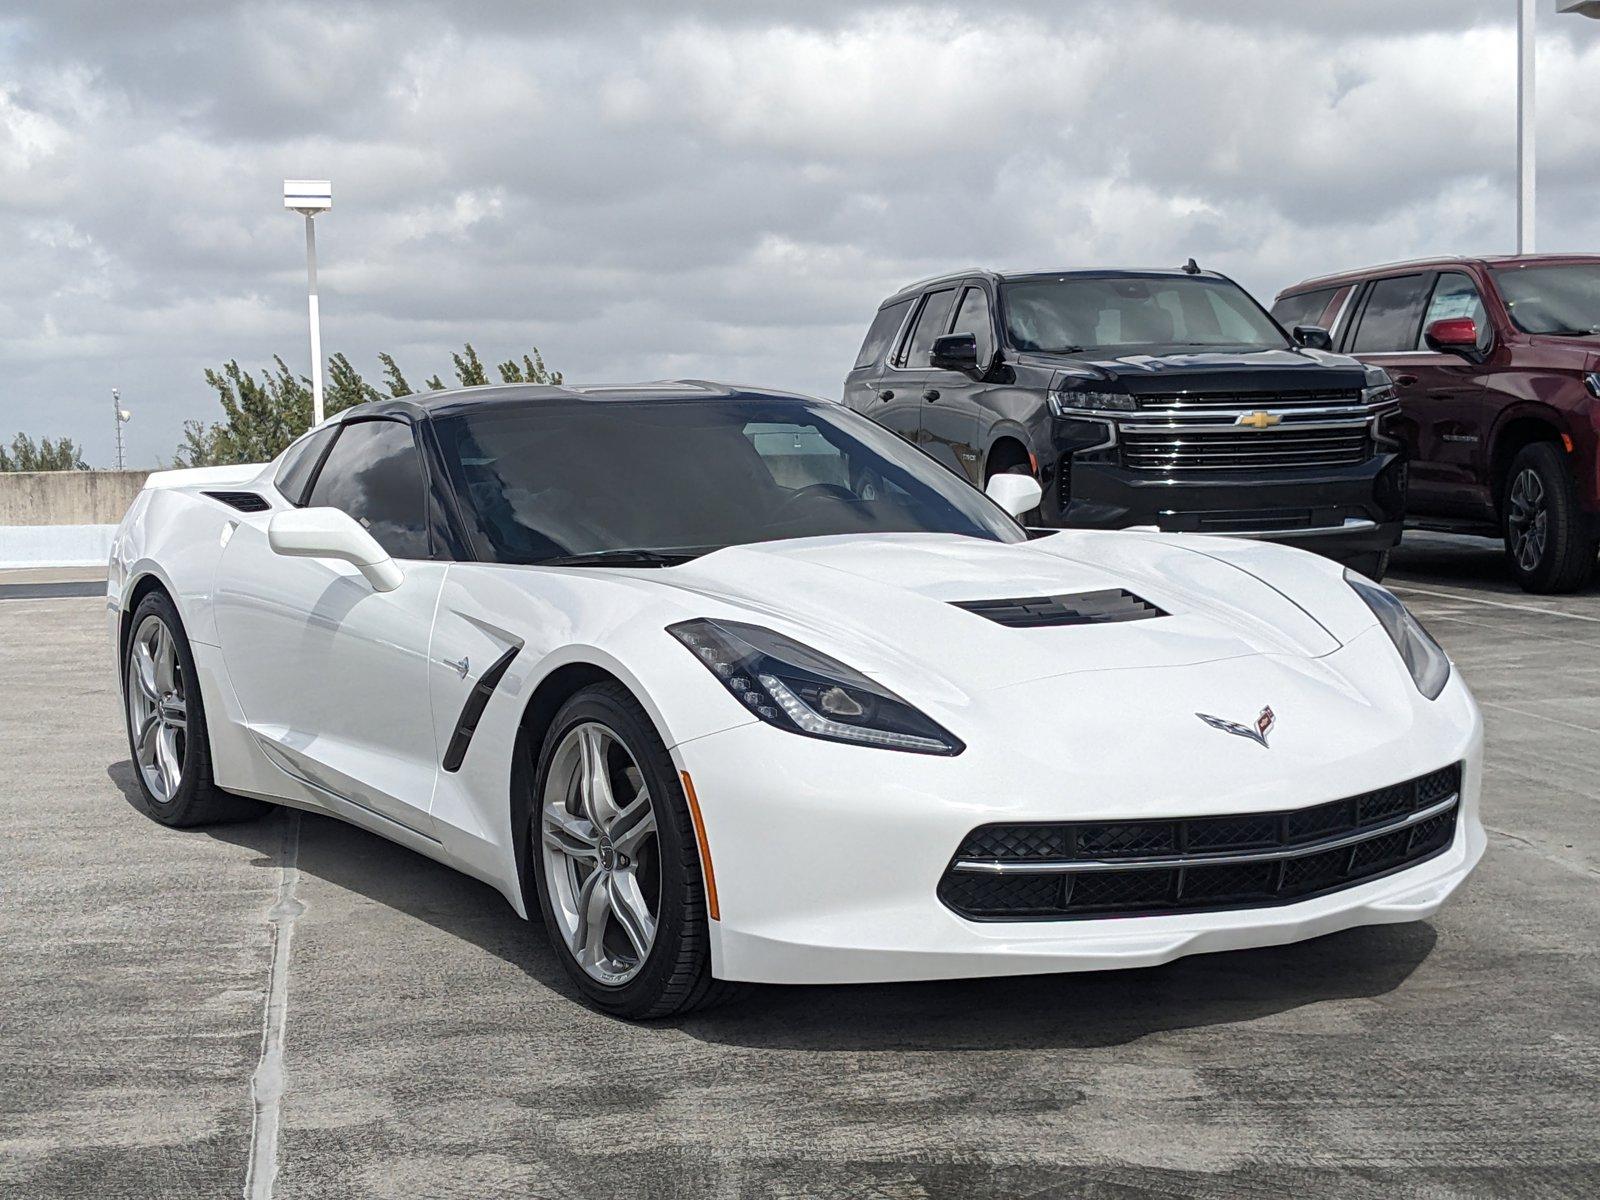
1135,314
1562,300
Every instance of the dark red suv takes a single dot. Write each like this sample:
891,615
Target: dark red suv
1497,365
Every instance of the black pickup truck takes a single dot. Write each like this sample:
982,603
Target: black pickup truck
1166,400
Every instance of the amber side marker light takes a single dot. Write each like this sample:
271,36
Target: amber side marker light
705,849
1566,440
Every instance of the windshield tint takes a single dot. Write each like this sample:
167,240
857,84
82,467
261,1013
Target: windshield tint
1557,299
1135,315
554,478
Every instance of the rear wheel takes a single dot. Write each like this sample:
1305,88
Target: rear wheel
616,861
166,722
1550,542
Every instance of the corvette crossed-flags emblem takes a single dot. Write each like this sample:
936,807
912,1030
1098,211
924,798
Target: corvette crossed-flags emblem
1257,733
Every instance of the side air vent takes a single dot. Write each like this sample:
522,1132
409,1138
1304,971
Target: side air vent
1083,608
243,501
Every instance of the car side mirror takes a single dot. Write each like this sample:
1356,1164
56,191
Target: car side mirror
1453,335
1016,494
329,533
1313,337
955,352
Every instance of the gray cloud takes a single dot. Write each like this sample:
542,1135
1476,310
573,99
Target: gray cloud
713,189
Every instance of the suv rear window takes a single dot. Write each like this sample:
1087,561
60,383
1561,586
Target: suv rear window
1304,309
884,326
1392,317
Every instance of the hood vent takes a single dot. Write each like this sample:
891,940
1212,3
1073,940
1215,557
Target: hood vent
1083,608
246,502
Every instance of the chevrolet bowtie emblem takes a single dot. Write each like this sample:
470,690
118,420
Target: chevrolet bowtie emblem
1259,420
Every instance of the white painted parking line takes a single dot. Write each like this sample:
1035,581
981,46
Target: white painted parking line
266,1085
1529,608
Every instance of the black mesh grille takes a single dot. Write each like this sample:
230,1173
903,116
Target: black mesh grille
1187,882
249,502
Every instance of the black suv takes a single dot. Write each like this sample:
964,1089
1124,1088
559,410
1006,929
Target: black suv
1158,399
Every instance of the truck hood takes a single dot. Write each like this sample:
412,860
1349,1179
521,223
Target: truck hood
887,605
1261,370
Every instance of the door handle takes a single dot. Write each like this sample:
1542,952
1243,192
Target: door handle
1405,380
931,394
886,394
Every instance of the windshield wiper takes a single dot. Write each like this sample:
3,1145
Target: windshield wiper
622,558
1572,332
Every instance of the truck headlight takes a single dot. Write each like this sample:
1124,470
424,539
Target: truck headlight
1071,403
1424,658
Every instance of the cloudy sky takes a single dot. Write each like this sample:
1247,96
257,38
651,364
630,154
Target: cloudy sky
719,190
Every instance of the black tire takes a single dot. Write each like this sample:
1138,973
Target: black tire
1550,541
196,800
675,976
1374,564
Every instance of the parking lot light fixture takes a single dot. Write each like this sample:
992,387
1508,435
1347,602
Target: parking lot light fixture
308,197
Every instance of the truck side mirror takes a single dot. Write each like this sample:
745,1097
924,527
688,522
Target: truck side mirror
955,352
1313,337
1453,335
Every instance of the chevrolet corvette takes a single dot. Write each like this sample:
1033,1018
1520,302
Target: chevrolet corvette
731,685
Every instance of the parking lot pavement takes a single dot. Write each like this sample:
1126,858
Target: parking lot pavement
432,1048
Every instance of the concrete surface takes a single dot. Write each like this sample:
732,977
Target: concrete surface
431,1046
67,497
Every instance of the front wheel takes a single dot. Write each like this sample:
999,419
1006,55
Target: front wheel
1550,542
167,723
616,861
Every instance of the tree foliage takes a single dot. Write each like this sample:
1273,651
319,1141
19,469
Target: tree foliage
44,455
264,413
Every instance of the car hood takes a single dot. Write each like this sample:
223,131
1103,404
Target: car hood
1262,370
886,604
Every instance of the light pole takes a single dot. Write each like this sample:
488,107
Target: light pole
123,417
1526,11
308,197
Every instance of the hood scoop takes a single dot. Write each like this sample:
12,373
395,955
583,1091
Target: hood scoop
1082,608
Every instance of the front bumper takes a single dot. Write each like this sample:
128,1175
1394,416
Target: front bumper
1338,511
828,857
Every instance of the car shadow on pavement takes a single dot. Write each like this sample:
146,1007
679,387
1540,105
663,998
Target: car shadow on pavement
1042,1011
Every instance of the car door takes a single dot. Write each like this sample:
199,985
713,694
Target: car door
953,401
866,378
1450,402
332,676
913,376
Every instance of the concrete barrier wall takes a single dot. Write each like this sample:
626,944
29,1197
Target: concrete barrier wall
62,518
67,497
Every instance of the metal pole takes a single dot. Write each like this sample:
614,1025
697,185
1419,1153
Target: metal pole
116,414
316,323
1525,125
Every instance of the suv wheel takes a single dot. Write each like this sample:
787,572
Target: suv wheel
1374,564
1549,542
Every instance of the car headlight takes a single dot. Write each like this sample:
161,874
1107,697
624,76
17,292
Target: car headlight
1427,662
1379,388
1070,404
794,687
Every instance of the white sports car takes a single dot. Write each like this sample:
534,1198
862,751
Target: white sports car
734,685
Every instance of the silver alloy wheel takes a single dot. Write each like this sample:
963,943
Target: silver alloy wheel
601,859
1529,518
158,711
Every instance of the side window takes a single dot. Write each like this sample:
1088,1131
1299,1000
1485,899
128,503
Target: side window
300,463
374,474
930,324
1305,309
1393,315
1455,295
884,326
973,317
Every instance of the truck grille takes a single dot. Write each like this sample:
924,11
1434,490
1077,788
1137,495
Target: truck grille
1184,402
1151,867
1239,448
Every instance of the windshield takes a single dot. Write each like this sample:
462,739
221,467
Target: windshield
551,479
1135,314
1559,299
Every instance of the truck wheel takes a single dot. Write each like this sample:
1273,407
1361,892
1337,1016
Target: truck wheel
1550,542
